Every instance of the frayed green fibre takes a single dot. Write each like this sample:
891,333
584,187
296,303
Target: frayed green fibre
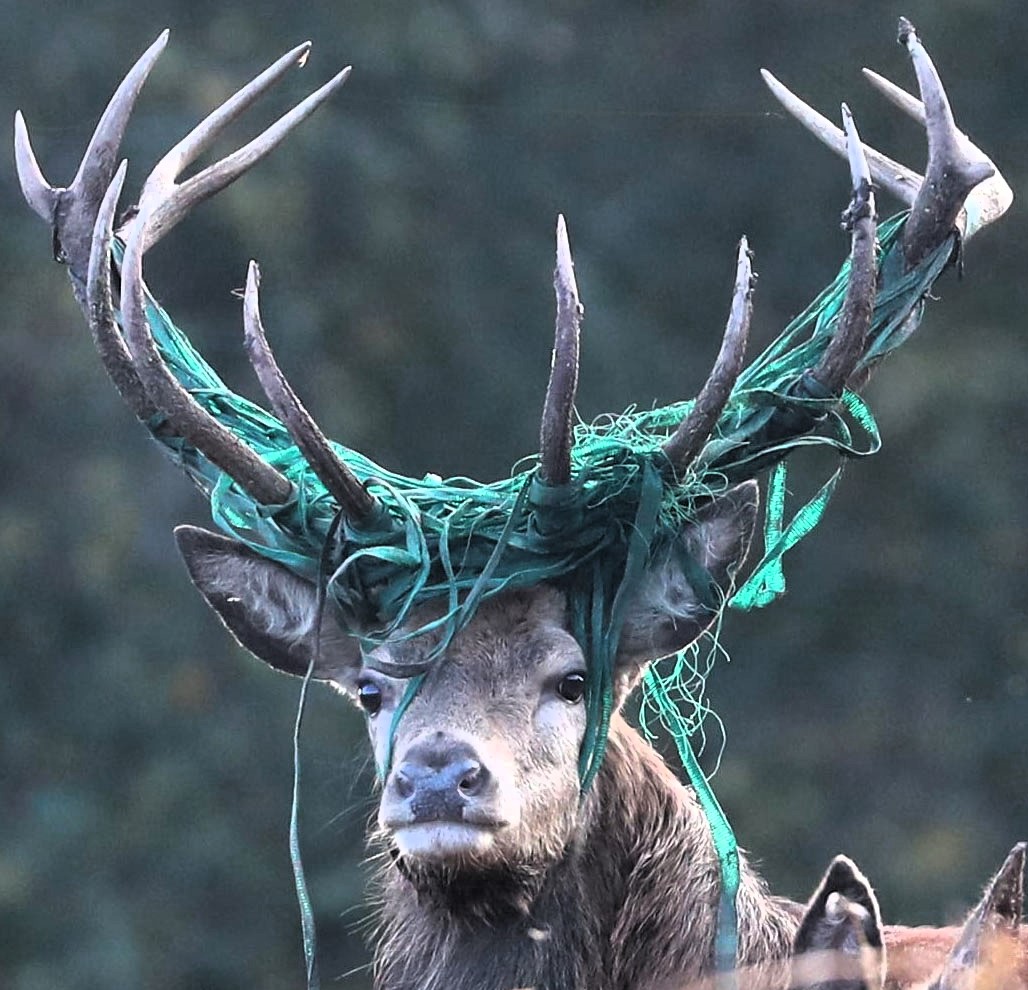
459,541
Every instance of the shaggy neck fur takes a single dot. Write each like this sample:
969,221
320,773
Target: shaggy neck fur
631,905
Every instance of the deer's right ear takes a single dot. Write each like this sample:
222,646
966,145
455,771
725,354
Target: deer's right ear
270,611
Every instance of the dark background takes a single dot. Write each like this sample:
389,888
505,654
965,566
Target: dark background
406,239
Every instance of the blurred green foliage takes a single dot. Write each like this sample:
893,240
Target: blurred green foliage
406,239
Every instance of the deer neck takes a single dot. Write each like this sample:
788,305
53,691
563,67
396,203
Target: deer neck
631,903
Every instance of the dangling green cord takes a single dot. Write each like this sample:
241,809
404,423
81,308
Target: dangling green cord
299,877
412,688
307,926
727,938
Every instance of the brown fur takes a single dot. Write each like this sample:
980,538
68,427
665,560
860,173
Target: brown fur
630,904
618,891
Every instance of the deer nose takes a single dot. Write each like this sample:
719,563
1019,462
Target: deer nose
439,778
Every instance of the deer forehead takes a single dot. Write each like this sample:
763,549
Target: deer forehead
515,639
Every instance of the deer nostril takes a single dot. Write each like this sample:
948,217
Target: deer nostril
472,779
403,785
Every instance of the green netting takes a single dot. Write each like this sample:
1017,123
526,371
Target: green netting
459,541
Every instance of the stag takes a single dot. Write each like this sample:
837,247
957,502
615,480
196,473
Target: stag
533,837
841,942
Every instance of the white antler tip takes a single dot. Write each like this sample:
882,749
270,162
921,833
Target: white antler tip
565,274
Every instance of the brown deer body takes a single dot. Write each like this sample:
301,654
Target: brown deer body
501,871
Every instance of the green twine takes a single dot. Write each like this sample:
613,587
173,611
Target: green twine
409,692
462,542
299,876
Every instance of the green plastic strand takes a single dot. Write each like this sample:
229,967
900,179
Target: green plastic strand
461,541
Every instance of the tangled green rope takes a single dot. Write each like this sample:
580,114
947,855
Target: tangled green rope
459,541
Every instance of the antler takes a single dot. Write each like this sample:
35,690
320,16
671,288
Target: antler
556,431
843,352
962,187
82,219
71,212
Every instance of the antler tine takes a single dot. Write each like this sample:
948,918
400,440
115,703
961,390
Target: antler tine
962,185
887,173
556,432
989,200
692,433
353,498
100,308
184,415
955,166
163,203
847,344
71,211
166,201
38,193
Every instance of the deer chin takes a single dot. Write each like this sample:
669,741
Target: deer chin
442,841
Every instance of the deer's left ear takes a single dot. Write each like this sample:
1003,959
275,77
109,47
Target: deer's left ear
684,588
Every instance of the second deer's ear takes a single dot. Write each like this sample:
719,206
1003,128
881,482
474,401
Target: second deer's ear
988,953
270,611
839,942
688,581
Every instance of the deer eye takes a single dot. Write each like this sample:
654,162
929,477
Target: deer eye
369,695
571,687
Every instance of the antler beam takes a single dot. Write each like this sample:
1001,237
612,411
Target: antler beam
163,203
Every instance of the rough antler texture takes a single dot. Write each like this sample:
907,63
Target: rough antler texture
556,433
627,531
354,500
962,187
639,475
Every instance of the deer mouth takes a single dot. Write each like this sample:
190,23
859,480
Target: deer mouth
445,840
